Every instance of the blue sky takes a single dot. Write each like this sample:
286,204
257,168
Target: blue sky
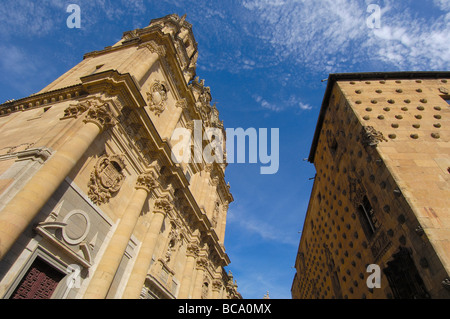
264,61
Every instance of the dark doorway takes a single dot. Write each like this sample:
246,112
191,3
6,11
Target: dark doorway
403,277
39,282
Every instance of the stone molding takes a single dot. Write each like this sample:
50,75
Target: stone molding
153,47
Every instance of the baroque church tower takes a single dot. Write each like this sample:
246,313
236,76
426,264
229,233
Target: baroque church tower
92,203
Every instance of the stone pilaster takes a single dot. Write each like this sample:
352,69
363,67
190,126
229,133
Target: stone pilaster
202,263
192,251
216,289
20,211
142,264
104,274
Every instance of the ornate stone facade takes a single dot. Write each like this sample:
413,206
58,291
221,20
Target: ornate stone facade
90,198
381,194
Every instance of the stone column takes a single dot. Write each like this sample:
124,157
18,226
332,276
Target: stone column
175,117
141,70
201,265
106,269
204,189
23,208
216,289
144,258
186,281
223,222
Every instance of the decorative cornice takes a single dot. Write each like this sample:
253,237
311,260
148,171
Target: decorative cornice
115,84
153,47
41,100
41,154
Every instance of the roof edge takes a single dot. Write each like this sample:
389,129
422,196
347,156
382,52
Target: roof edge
334,77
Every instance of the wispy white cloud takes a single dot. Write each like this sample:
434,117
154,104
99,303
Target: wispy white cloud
412,43
293,102
22,17
18,64
267,105
442,4
15,61
259,227
328,36
304,106
27,18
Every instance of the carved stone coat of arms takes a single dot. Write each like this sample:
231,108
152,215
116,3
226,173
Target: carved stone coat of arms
106,178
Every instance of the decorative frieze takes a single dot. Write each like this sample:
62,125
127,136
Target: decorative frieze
380,245
202,263
174,240
356,192
182,103
75,110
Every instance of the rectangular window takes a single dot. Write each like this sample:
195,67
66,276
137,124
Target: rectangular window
367,218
